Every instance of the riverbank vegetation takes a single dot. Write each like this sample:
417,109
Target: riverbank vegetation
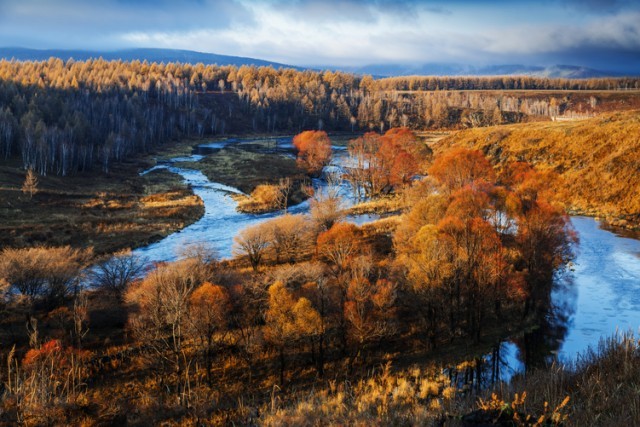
596,389
80,117
49,121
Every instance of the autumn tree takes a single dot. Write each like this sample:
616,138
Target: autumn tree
288,320
288,236
369,310
160,310
403,155
324,295
252,242
428,262
544,238
362,169
249,303
380,163
30,185
459,167
314,150
208,320
340,244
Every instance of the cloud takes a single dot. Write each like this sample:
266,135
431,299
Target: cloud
77,23
621,31
337,32
601,6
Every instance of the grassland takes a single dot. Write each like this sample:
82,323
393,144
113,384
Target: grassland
107,211
598,160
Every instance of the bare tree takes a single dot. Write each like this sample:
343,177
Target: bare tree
326,206
285,185
39,272
289,236
117,272
160,312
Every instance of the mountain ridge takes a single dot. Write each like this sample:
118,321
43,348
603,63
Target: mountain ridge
148,54
376,70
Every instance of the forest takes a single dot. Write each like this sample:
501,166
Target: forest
314,319
67,117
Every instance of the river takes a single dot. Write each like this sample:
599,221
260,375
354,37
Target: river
597,296
594,297
221,222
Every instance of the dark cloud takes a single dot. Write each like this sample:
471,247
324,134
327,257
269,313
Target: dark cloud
79,23
601,6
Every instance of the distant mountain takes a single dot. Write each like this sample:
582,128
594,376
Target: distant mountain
376,70
565,71
142,54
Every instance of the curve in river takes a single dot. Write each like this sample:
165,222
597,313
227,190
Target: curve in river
221,222
597,296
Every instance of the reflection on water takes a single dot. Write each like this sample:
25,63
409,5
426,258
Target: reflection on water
597,296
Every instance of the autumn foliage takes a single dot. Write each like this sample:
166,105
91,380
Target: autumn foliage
591,165
460,167
382,163
314,150
307,300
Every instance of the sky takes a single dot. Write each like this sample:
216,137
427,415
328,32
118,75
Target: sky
602,34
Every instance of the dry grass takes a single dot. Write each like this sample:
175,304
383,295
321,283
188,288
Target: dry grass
382,205
597,159
108,212
600,388
264,198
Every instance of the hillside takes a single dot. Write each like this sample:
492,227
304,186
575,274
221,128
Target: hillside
598,159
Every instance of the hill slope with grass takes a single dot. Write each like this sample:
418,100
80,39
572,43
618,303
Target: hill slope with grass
598,159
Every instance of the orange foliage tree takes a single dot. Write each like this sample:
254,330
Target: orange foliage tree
339,244
288,320
475,242
208,319
314,150
369,310
380,163
459,167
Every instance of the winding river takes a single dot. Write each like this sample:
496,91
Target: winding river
597,296
221,222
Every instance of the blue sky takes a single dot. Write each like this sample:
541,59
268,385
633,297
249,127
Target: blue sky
602,34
